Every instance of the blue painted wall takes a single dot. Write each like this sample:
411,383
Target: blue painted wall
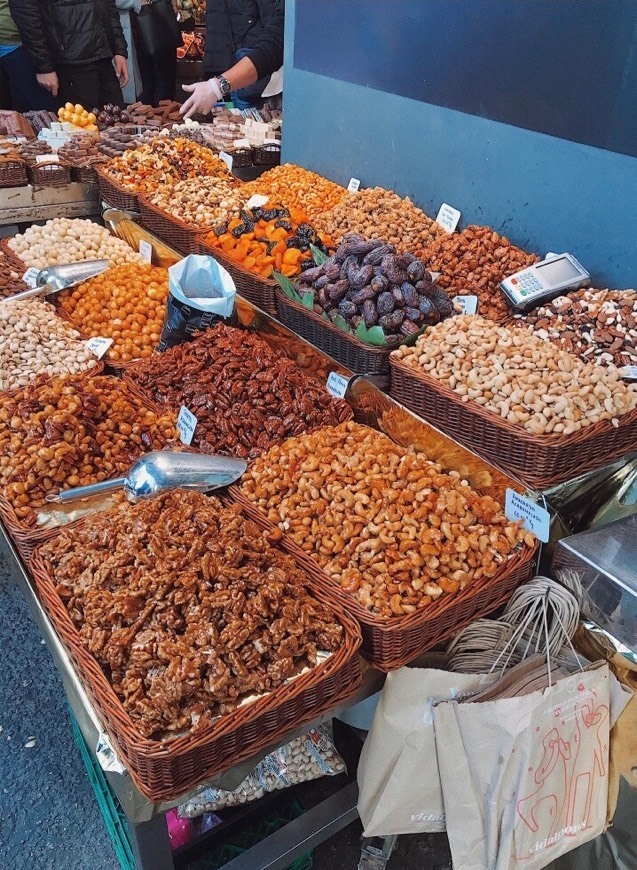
544,193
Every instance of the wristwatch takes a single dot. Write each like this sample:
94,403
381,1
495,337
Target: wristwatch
224,86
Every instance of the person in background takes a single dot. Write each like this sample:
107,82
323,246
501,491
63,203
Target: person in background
16,63
78,48
127,10
159,70
244,47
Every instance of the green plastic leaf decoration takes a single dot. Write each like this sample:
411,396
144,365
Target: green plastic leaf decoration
374,335
307,300
319,256
340,321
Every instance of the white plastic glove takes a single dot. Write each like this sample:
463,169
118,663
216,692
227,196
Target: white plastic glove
203,97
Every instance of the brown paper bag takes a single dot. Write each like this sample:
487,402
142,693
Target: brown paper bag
525,778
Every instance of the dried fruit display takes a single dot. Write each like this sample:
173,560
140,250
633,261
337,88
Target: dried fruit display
187,608
264,239
295,187
126,303
378,213
520,376
245,395
598,325
385,523
473,263
366,284
164,161
68,432
199,202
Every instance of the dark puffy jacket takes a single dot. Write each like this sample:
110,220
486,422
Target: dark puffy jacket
256,25
68,31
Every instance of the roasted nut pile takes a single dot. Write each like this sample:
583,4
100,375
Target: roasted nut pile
245,395
389,526
598,325
378,213
126,304
519,376
33,341
66,433
473,263
366,282
199,202
70,240
187,608
299,188
11,272
164,161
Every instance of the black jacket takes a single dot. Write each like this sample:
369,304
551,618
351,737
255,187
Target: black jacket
256,25
68,31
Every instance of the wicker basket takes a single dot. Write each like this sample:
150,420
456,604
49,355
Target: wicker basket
538,461
13,172
176,233
361,358
258,291
389,644
50,174
84,174
241,157
267,155
163,770
114,194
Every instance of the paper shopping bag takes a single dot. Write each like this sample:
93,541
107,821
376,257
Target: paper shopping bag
525,777
399,787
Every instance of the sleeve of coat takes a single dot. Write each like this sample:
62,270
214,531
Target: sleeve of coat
267,54
29,20
116,36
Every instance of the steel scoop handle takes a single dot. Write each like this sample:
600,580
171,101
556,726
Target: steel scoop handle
44,290
86,491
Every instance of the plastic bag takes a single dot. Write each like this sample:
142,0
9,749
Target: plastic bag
310,756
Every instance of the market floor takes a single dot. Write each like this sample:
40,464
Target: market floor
49,818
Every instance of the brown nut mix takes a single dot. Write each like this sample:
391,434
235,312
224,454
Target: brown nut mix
473,263
187,608
388,525
199,202
245,395
69,432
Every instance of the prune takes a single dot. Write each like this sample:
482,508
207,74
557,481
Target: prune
392,321
385,303
370,315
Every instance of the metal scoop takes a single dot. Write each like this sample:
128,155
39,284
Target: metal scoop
56,278
163,470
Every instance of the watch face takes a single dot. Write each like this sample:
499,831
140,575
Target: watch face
226,87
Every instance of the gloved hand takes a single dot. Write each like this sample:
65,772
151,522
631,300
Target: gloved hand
203,97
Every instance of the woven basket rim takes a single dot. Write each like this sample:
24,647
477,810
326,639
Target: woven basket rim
224,259
550,440
118,187
144,202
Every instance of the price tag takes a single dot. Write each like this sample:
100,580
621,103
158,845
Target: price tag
257,200
469,304
629,373
354,184
146,250
99,346
448,217
30,277
434,276
337,385
227,159
47,158
186,425
536,518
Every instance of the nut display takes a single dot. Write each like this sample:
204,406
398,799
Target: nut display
245,395
126,303
299,188
199,612
199,202
519,376
264,239
70,240
164,161
69,432
598,325
378,213
473,263
33,341
11,272
385,523
368,283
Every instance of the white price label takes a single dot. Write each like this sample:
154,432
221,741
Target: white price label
469,304
257,200
30,277
186,425
354,184
337,385
448,217
434,276
99,346
629,373
227,159
536,519
47,158
146,250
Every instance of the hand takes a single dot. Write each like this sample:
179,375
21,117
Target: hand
121,70
49,81
203,97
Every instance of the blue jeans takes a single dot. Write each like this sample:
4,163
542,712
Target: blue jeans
26,93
